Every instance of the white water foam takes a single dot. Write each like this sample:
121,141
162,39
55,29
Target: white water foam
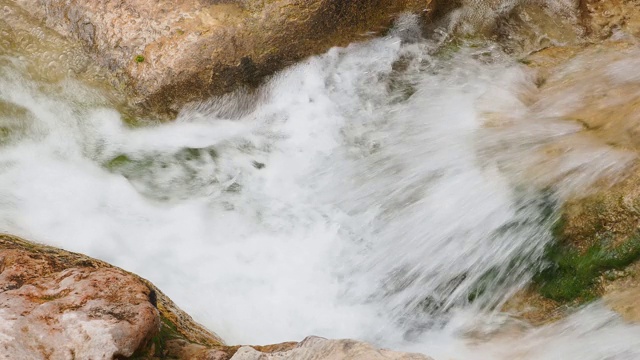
349,199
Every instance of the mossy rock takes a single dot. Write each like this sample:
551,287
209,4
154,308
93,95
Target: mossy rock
575,275
596,235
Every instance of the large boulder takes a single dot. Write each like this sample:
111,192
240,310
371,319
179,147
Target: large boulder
56,304
167,53
597,250
82,312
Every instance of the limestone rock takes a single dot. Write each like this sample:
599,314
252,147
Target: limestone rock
596,86
535,25
168,53
603,18
81,312
622,294
316,348
56,304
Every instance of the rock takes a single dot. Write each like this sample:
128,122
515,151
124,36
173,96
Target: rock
596,86
81,312
604,18
182,349
598,234
534,25
590,82
622,294
317,348
48,59
56,304
167,53
520,27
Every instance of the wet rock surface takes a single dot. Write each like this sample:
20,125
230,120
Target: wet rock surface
61,305
167,53
56,304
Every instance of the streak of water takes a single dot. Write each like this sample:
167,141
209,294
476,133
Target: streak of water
360,195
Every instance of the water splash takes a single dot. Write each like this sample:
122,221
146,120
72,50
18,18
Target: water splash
364,193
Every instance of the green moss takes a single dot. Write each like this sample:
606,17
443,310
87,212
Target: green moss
5,133
448,49
189,154
118,162
573,274
139,58
50,297
158,344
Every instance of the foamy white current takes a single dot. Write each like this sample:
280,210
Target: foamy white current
359,194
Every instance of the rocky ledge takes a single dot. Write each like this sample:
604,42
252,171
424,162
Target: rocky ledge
56,304
166,53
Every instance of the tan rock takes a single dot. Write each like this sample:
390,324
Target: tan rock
534,25
182,349
622,294
56,304
603,18
596,87
530,306
77,312
316,348
171,52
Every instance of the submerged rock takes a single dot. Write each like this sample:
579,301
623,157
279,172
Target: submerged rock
168,53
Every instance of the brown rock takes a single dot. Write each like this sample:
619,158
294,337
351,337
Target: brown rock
172,52
534,25
81,312
596,87
520,27
182,349
60,305
591,83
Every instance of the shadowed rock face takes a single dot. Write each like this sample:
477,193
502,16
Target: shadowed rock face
167,53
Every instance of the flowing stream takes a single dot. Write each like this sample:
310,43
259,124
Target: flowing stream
359,194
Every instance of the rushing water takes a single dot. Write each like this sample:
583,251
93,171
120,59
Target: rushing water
359,194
